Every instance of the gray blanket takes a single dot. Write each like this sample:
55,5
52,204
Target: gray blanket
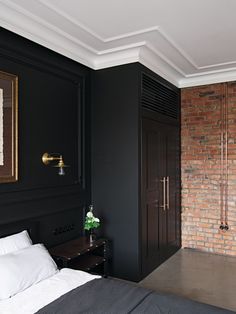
108,296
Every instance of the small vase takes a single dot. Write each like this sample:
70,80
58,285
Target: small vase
92,236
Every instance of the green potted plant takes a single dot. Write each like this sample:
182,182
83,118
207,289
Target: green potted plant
91,223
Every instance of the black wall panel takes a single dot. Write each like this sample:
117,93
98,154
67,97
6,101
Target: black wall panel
53,117
115,164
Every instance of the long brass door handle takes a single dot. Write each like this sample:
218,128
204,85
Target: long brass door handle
164,193
168,192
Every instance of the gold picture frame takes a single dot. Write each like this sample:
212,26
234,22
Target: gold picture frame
8,127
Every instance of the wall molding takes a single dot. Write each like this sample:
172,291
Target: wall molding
39,194
208,78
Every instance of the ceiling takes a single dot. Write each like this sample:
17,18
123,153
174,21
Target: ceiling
188,42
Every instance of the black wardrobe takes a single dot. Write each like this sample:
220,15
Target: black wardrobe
136,167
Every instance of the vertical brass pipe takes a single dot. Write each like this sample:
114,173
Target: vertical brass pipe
224,169
222,162
226,153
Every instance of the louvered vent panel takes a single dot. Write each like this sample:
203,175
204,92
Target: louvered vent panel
159,98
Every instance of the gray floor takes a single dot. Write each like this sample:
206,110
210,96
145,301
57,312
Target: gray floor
204,277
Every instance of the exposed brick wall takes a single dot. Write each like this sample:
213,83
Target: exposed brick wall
200,157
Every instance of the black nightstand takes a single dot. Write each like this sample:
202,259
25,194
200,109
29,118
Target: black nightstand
83,255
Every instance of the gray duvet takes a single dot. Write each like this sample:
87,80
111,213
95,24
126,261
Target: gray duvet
109,296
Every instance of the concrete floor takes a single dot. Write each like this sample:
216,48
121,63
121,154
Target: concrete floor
203,277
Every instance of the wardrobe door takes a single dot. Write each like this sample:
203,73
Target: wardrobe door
163,189
172,182
150,195
168,218
160,177
154,236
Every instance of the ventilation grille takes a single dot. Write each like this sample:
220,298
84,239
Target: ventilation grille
158,97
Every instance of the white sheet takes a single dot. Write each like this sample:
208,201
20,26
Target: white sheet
44,292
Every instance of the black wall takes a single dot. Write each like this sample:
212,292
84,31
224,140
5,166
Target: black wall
53,117
115,163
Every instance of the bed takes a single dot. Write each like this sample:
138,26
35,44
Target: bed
31,283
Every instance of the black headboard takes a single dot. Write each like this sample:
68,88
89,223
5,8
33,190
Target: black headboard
49,229
18,226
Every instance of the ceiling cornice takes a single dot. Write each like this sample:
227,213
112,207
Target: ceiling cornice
97,52
208,78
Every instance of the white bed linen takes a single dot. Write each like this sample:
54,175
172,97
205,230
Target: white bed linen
37,296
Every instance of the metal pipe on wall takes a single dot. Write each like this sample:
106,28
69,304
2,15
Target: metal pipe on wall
224,161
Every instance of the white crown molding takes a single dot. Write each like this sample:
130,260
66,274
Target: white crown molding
122,48
217,65
53,38
205,79
115,58
177,47
156,63
26,18
117,50
165,59
23,25
149,30
131,34
156,29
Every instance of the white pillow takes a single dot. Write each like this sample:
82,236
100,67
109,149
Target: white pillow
23,268
15,242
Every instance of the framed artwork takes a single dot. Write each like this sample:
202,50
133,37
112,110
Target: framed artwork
8,127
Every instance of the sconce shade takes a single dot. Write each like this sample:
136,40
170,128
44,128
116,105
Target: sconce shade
61,171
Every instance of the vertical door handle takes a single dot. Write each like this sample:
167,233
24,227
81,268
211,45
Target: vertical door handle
164,192
168,192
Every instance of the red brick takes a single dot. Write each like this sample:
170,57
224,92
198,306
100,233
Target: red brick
200,157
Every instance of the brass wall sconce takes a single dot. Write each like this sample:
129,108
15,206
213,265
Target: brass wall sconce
47,158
